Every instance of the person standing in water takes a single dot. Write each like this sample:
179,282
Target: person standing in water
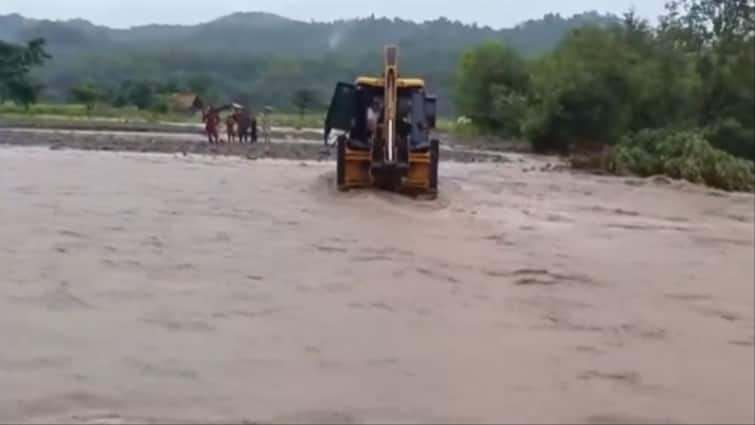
267,127
211,120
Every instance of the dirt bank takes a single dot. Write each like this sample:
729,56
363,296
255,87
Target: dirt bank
145,288
279,133
284,147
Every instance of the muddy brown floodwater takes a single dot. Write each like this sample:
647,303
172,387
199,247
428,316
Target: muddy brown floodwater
142,288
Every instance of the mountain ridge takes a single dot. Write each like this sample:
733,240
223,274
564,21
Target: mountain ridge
17,28
274,16
267,56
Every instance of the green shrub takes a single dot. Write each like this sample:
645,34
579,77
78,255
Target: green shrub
160,105
731,136
492,87
683,155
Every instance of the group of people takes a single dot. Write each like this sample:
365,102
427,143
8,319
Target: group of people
240,126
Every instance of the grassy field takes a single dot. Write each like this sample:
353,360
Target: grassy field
107,118
52,113
77,112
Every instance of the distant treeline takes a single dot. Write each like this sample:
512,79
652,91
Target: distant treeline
265,58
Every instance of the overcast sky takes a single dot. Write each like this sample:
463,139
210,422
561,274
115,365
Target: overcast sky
496,13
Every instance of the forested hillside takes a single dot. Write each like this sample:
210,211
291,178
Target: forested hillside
264,58
675,98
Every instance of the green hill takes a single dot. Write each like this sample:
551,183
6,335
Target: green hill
263,57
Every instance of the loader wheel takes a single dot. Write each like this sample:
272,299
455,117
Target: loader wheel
434,159
341,163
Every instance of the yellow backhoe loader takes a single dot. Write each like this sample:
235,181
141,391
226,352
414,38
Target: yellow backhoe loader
386,141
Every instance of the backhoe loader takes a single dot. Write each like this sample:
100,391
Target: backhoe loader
385,123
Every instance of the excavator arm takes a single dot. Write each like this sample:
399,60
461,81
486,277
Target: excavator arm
391,102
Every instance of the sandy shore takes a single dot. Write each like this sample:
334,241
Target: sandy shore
164,288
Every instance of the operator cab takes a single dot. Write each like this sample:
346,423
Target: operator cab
386,124
351,106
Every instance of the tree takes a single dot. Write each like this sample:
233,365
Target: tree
161,104
141,94
16,63
699,24
582,93
23,91
718,35
492,82
87,94
168,87
200,85
120,101
304,99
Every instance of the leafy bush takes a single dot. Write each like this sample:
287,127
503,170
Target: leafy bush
88,94
580,93
492,87
684,155
16,64
692,71
161,104
512,107
731,136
